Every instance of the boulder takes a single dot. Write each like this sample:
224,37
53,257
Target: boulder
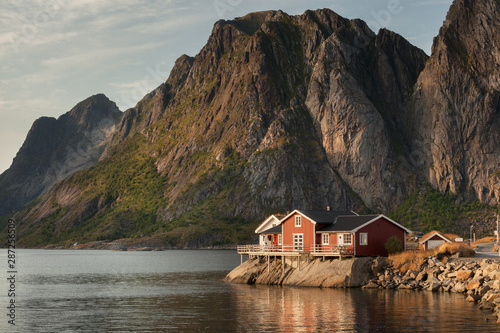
478,274
483,290
486,306
370,285
464,275
434,284
422,276
492,298
496,284
474,285
405,286
447,288
494,274
473,298
378,265
459,287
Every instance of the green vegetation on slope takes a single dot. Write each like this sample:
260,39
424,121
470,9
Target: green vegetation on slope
429,210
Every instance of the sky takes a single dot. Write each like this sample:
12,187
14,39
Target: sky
56,53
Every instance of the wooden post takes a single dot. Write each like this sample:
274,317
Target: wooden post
298,261
283,264
268,263
241,261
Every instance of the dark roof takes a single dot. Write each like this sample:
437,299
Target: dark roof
274,230
348,223
325,216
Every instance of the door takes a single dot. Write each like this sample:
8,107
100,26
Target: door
298,242
340,240
434,243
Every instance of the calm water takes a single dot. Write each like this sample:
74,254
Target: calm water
183,291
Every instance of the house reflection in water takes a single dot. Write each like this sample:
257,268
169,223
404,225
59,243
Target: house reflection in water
296,309
288,309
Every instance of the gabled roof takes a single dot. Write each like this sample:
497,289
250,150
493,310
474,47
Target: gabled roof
274,230
348,223
354,223
320,216
278,217
433,233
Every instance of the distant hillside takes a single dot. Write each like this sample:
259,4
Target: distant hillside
56,148
279,112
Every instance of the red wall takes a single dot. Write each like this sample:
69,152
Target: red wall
379,232
307,229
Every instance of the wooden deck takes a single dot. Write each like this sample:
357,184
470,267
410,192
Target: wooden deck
317,251
291,255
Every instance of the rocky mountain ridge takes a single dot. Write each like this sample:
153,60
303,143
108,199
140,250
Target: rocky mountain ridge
279,112
56,148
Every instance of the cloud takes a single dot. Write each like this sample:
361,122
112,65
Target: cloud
98,55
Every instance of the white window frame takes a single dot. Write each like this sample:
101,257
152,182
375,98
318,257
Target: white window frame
363,238
325,239
280,239
298,221
347,236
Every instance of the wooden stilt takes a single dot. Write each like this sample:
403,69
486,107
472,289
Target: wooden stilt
241,257
268,263
283,264
298,261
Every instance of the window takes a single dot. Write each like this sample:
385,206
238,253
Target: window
279,239
326,239
297,242
363,238
298,220
347,239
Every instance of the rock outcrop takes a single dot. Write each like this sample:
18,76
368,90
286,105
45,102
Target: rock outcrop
56,148
348,273
454,114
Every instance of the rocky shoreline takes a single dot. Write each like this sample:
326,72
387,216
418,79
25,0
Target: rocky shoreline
479,281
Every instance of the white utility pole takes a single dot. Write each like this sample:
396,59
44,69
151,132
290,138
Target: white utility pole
470,241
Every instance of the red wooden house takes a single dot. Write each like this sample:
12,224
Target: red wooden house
328,231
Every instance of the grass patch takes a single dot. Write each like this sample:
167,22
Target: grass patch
412,260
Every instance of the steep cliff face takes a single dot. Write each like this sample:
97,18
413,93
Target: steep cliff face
454,119
358,88
56,148
279,112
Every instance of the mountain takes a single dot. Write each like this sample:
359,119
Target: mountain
454,114
55,149
279,112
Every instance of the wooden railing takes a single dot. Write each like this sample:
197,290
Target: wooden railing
318,249
412,247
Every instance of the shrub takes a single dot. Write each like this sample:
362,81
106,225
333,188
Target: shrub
393,245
